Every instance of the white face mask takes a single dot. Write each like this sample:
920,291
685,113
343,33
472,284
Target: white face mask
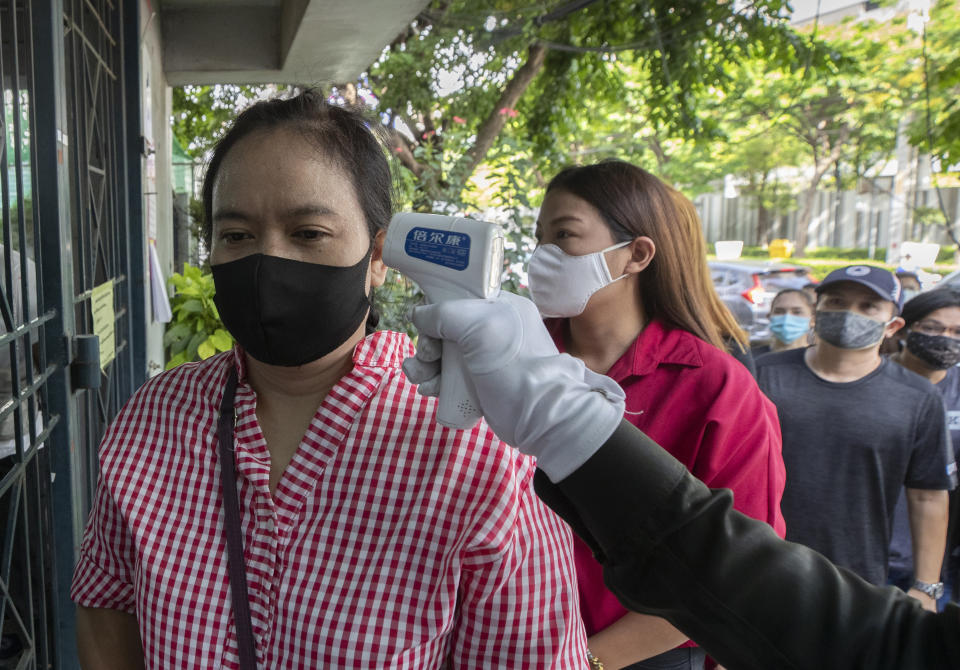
561,284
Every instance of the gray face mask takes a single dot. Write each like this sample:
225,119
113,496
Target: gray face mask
849,330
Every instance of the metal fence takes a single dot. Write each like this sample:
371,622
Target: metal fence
839,219
98,226
70,229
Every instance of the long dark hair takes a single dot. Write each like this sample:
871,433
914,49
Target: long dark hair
676,287
344,136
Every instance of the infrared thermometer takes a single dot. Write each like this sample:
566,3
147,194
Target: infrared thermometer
449,258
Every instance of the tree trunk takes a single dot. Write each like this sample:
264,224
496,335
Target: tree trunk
763,214
806,214
658,152
515,88
398,146
763,224
820,167
803,220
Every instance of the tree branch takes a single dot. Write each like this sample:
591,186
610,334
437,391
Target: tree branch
398,146
657,149
515,88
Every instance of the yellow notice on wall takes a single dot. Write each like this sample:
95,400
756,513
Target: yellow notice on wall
101,302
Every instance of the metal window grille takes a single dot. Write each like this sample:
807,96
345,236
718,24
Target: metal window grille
69,195
99,233
25,583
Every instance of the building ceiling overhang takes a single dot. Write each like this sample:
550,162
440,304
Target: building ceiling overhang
307,42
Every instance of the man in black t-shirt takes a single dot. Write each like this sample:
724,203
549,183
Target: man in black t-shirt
855,429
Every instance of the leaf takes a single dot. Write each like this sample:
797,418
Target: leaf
179,346
206,349
177,332
192,307
190,289
221,340
193,272
195,342
179,359
176,281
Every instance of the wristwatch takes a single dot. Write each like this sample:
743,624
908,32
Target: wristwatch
935,590
595,663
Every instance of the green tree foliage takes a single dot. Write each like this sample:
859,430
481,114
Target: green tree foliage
937,129
839,114
756,159
835,122
529,70
202,113
481,101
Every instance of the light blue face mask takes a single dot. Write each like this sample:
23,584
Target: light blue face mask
789,327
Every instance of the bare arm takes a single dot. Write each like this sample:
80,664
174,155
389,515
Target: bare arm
108,640
928,527
633,638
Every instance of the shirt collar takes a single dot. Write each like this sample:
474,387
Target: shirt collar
658,344
240,362
383,349
380,349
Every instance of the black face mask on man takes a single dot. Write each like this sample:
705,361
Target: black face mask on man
938,351
848,330
287,312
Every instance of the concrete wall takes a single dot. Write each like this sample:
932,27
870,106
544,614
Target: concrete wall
156,103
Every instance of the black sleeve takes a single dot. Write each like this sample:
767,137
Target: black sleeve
673,548
745,356
932,450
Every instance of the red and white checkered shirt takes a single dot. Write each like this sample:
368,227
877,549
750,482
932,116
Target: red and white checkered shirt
391,541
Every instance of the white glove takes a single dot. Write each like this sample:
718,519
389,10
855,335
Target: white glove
546,404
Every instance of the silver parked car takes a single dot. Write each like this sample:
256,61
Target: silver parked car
748,287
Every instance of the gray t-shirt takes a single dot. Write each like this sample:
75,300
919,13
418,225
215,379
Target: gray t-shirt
848,448
901,544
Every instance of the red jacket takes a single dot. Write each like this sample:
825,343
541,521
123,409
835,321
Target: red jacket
704,407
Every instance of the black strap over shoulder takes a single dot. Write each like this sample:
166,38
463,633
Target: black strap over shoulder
231,512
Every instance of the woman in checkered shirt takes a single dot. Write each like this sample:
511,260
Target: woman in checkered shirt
372,536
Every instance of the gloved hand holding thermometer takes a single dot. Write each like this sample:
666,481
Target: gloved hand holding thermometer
547,404
450,258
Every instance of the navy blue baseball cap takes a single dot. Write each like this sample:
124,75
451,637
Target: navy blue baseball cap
882,282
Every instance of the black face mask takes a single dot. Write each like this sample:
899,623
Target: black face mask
285,312
848,330
938,351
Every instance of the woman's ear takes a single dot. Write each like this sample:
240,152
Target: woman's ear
378,269
642,251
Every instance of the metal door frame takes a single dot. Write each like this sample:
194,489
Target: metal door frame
27,540
72,450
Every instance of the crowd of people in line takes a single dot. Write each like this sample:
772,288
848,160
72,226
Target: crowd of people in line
911,522
370,536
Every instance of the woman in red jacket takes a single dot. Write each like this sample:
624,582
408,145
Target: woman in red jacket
620,273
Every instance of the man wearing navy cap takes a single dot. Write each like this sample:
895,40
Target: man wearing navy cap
855,429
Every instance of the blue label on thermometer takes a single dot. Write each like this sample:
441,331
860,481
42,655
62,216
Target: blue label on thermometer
440,247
